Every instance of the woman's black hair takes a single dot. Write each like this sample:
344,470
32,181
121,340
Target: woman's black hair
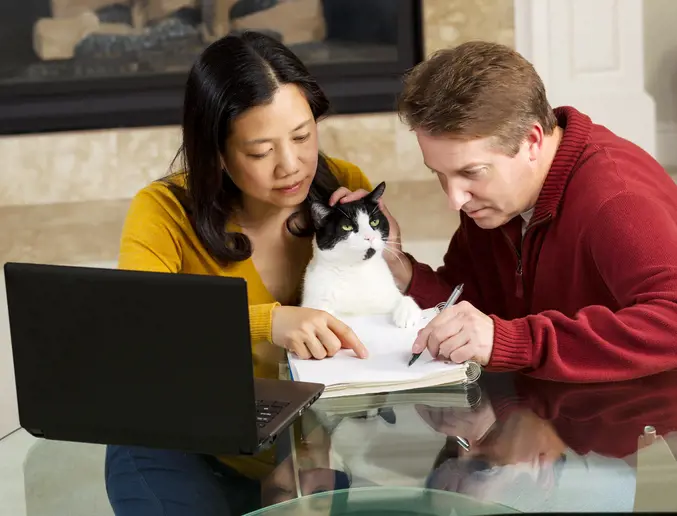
232,75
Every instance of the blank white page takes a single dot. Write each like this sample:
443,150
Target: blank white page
389,353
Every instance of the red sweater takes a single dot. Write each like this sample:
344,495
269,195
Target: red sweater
590,294
602,418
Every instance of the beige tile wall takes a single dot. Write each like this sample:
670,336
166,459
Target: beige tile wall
113,164
451,22
83,166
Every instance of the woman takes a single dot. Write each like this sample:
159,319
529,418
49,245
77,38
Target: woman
239,207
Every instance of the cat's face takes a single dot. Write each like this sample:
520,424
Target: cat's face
352,232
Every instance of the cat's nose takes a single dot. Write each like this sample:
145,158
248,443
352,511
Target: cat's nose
369,238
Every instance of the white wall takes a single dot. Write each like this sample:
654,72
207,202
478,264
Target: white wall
590,55
660,68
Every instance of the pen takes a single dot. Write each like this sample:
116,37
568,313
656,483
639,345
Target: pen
452,299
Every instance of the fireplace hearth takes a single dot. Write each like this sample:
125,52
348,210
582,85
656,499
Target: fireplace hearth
93,64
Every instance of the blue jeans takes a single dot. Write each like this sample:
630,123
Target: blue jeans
150,482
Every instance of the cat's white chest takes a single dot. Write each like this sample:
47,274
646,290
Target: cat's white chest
363,290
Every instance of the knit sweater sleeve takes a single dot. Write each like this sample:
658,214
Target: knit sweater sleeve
632,242
261,321
150,238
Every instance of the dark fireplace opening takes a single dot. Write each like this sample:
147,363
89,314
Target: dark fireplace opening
93,64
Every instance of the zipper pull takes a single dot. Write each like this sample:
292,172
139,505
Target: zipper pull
519,292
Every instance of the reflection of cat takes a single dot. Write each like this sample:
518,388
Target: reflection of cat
348,274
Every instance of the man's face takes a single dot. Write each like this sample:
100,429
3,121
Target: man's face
490,186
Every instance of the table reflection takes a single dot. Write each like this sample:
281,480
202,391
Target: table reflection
533,445
510,443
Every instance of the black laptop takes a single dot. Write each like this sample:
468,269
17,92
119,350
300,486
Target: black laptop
142,358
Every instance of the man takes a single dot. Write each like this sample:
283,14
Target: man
567,246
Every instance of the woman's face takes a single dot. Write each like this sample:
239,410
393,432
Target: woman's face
271,153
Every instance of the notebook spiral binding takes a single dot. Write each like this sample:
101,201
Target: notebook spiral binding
474,394
473,370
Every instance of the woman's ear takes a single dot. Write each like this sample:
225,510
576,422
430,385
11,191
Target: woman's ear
377,192
319,213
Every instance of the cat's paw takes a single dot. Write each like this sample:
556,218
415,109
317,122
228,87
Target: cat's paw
407,313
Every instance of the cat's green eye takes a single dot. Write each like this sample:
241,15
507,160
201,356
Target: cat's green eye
374,223
347,228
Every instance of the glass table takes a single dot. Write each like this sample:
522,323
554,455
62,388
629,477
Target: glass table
507,444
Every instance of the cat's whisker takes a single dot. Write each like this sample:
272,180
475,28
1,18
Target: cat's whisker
399,260
396,251
396,255
344,213
397,245
391,242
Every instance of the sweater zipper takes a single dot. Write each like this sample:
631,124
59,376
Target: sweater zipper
519,292
519,272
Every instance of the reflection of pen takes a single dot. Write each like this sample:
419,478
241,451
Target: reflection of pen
452,299
463,443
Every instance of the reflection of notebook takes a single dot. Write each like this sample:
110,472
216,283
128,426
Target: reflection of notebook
466,396
386,369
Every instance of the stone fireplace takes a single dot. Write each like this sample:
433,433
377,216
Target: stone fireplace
93,64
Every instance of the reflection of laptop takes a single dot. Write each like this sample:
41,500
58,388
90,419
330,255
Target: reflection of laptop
142,358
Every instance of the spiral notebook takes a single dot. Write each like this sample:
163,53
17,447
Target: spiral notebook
386,369
457,396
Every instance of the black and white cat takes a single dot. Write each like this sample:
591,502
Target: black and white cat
348,273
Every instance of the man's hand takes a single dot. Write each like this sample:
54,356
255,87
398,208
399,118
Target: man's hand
460,333
472,424
344,195
397,261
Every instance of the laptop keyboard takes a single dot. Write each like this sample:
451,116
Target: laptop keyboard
267,410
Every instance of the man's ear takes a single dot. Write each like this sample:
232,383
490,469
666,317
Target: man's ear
377,192
319,213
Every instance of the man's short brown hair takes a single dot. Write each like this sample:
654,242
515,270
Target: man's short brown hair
476,90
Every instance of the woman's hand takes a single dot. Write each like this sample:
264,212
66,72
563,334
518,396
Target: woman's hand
313,333
399,264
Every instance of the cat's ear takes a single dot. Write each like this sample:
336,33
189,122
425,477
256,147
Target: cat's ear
377,192
319,213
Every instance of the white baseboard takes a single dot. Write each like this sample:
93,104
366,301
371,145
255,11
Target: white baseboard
666,144
9,412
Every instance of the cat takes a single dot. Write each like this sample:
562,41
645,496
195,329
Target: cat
348,273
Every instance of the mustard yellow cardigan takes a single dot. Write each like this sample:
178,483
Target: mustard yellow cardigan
157,236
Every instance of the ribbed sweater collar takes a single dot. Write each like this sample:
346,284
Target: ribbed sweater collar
577,128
